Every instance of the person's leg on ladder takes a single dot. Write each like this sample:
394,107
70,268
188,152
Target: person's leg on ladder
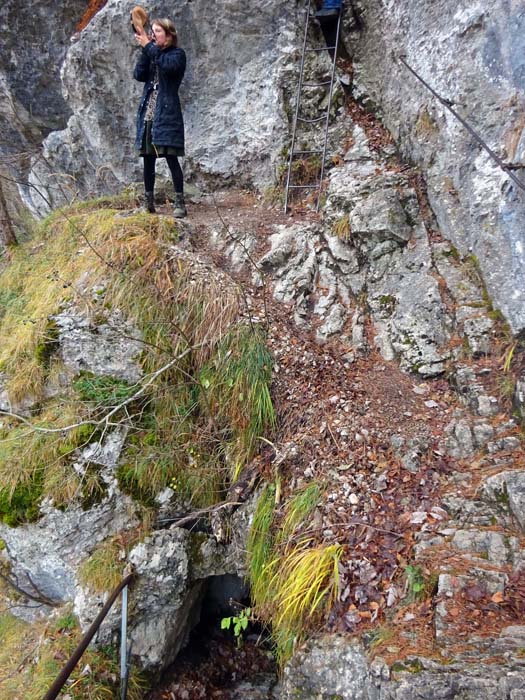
149,182
179,208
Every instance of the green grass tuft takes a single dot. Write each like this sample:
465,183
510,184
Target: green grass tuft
293,581
195,427
31,656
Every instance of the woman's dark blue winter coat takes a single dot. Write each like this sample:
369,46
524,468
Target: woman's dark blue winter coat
168,126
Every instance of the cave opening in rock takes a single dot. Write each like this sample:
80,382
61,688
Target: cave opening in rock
215,663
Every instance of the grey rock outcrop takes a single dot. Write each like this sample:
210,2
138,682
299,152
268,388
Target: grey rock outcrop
372,241
109,349
31,101
235,123
172,567
333,667
508,488
45,556
161,620
32,104
471,54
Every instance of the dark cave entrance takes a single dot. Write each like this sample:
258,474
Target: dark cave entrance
215,664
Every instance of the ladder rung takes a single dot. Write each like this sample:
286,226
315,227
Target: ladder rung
303,187
324,48
311,121
296,153
326,82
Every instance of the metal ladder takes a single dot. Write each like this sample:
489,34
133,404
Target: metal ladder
310,17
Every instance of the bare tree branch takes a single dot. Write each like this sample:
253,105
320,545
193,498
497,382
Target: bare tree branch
179,522
38,598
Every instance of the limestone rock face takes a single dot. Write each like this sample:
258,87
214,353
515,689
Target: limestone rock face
473,54
173,569
330,668
232,104
32,104
35,37
242,67
373,241
107,349
45,556
334,667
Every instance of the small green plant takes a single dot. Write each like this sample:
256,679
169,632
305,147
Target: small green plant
106,391
66,622
388,303
452,253
239,622
501,495
415,582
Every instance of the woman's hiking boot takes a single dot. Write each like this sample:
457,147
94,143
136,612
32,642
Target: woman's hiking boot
179,208
149,202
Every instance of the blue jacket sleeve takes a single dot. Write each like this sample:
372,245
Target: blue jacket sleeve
172,63
142,68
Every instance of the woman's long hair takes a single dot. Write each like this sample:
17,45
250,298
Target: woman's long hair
169,28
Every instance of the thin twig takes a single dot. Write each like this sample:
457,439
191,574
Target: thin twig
40,598
179,522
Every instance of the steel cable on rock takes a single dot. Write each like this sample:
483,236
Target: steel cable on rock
448,104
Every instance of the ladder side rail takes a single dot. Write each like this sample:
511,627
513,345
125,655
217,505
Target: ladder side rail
330,93
297,106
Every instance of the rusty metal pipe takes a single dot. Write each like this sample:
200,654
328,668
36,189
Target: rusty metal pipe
64,674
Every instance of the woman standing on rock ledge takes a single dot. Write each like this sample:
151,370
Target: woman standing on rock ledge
160,127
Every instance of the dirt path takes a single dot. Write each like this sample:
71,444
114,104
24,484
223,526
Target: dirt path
423,572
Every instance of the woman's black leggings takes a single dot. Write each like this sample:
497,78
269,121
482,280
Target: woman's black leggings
175,169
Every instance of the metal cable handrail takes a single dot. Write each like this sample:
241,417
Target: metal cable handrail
75,657
448,104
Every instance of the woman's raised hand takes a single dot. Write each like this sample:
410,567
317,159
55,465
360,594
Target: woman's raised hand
142,38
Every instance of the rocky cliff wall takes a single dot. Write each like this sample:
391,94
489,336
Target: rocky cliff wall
473,54
235,124
34,42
